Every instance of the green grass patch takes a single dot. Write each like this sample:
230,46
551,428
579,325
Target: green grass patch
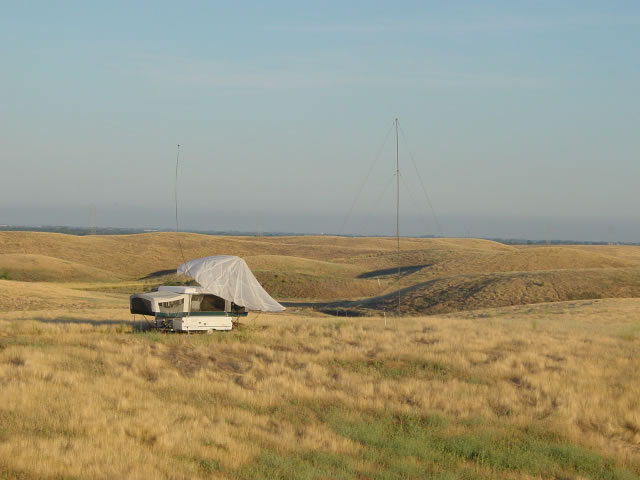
395,368
477,380
406,446
205,465
301,466
401,446
630,333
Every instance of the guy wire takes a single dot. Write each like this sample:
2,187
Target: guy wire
424,190
366,177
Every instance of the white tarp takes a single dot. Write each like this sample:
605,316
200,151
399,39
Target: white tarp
229,277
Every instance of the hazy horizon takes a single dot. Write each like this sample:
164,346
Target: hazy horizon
538,229
519,121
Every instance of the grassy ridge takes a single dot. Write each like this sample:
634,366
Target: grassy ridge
472,292
26,296
437,275
40,268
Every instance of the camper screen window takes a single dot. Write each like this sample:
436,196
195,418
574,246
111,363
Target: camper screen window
210,303
171,307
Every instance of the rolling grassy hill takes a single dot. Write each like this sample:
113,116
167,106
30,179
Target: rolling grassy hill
41,268
356,274
478,291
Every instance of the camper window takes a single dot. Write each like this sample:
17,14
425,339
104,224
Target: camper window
210,303
141,306
172,307
196,300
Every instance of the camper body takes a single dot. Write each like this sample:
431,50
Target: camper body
186,309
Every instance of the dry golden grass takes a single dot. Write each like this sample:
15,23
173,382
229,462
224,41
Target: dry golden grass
24,296
84,395
40,268
625,252
288,264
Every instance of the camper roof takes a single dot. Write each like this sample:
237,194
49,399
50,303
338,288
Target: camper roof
160,296
181,289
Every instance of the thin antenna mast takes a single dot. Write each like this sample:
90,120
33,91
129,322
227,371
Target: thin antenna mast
175,191
398,210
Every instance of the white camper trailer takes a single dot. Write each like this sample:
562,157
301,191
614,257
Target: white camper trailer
227,289
186,309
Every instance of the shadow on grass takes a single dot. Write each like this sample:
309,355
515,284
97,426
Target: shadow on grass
159,273
363,307
388,272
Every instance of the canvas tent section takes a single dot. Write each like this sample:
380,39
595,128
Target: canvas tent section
230,278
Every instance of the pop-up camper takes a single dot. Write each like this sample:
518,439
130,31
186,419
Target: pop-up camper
227,289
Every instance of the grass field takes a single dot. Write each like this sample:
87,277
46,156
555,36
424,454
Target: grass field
545,390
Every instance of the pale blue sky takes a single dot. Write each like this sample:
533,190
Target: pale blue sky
522,117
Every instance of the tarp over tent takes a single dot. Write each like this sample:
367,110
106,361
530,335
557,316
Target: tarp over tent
230,278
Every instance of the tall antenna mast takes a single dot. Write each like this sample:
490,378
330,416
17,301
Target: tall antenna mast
175,191
398,210
175,186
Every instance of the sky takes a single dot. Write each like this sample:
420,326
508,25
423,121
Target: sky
516,119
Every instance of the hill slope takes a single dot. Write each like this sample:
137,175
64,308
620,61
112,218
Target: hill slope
24,296
436,275
480,291
40,268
